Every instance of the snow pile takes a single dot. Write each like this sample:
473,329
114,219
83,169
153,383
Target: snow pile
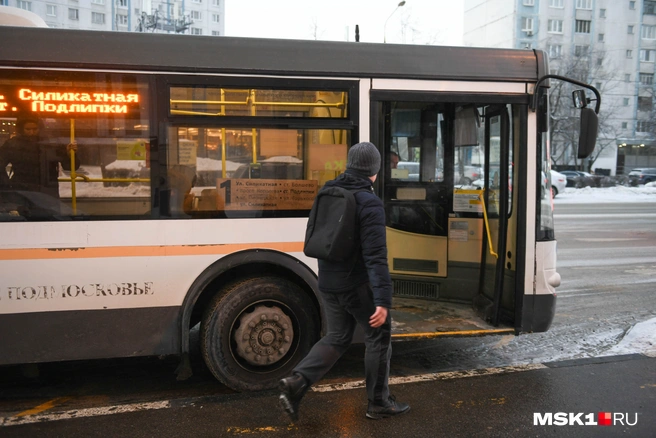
209,164
640,339
594,195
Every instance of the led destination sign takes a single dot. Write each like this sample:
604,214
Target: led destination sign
70,102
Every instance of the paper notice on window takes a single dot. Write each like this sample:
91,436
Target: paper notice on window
131,150
187,152
265,194
467,201
459,231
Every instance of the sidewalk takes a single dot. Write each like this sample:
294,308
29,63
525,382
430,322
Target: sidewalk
490,405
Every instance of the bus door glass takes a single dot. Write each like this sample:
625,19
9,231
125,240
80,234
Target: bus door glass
415,190
495,196
444,162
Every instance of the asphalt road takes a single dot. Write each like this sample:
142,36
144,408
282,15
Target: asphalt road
485,405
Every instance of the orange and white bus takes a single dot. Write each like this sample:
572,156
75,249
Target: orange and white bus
200,158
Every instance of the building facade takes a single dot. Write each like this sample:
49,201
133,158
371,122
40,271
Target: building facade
610,44
196,17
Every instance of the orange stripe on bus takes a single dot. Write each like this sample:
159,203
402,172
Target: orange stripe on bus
143,251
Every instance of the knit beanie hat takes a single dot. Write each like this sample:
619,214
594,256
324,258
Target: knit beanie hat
364,158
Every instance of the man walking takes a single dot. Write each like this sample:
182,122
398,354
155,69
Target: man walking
356,291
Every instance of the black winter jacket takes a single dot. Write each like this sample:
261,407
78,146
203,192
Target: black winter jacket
370,265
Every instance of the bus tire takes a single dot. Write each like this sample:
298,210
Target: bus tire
256,331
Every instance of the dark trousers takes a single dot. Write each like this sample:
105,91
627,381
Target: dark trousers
343,311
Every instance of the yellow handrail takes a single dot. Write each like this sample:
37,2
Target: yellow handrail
487,224
253,102
73,174
84,178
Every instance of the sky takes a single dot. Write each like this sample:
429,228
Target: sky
437,22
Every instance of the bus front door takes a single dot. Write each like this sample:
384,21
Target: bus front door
441,161
495,199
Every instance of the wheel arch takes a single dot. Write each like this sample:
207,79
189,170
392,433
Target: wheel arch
242,264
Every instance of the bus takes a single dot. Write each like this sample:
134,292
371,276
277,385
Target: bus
185,203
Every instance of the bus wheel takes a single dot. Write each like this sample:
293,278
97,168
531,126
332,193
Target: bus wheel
257,331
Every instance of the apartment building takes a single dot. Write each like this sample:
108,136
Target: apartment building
196,17
608,43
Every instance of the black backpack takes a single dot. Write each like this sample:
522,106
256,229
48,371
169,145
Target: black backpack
330,233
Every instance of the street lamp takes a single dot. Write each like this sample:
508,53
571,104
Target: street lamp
385,27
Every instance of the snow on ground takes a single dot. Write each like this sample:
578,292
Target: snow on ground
593,195
641,338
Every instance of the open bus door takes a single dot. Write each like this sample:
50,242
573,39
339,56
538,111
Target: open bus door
495,200
444,162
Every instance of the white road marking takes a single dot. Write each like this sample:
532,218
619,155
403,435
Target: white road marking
607,239
600,215
82,413
433,377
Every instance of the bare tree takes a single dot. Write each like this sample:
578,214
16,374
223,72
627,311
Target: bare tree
588,67
409,28
410,31
315,31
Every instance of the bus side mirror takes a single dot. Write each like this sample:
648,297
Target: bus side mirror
580,101
588,132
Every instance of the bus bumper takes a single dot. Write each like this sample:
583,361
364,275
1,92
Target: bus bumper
538,312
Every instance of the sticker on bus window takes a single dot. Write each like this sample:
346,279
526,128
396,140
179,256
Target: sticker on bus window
131,150
265,194
459,231
467,201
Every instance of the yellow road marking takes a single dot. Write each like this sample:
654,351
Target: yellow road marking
491,401
454,333
44,407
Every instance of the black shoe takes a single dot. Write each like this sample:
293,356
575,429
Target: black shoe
379,410
292,390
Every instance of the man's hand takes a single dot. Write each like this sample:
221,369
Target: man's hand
379,317
72,146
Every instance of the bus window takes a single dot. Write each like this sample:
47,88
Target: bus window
469,156
251,168
105,115
242,172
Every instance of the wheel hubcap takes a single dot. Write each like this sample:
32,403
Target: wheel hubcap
264,335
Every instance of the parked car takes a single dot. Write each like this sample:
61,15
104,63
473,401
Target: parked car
472,173
573,178
642,176
558,183
590,179
413,171
579,179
